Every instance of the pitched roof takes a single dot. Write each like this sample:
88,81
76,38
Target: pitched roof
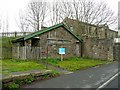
90,24
32,35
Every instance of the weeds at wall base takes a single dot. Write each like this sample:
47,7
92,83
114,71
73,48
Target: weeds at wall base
17,83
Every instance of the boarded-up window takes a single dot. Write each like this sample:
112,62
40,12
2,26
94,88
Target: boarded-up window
35,42
22,43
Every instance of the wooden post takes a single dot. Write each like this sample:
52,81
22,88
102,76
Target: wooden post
61,57
25,50
15,34
47,48
61,52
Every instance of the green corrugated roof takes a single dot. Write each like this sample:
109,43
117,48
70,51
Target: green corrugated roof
26,37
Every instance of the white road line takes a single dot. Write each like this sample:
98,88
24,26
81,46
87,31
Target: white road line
107,82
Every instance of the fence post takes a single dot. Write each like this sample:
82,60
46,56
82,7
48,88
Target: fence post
15,34
24,33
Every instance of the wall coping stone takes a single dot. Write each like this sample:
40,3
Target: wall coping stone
18,75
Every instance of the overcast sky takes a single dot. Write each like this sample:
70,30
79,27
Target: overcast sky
11,9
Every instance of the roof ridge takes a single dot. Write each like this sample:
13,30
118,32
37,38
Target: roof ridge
26,37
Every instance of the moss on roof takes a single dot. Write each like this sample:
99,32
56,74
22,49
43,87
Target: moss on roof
26,37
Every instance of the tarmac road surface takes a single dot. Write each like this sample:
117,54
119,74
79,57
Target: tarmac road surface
89,78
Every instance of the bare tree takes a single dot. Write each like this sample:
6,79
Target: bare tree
22,22
33,18
54,13
0,24
4,23
7,23
86,11
59,11
37,12
82,10
93,13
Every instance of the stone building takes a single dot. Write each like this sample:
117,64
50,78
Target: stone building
46,43
78,38
97,40
90,30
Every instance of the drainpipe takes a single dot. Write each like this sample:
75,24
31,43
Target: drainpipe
81,49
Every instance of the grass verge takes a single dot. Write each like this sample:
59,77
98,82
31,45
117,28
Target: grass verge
20,65
11,65
73,64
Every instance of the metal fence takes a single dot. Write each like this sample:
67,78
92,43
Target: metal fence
13,34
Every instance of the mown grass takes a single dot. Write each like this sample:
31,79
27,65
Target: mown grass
20,65
73,64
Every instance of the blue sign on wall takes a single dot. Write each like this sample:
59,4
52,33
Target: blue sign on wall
61,50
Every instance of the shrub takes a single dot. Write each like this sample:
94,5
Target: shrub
55,73
29,79
45,76
13,86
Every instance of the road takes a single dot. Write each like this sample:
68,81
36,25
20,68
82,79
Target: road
115,83
89,78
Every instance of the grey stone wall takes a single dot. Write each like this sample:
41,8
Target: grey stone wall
50,42
116,51
98,48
